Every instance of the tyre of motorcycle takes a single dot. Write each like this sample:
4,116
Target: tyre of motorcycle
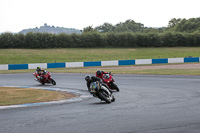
53,81
113,99
105,95
114,86
42,80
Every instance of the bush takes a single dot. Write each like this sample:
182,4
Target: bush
94,39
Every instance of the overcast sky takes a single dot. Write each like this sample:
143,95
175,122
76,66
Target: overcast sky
16,15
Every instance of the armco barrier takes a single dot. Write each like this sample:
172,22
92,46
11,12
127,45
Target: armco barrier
98,63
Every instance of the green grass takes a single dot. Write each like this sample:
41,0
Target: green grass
13,96
21,56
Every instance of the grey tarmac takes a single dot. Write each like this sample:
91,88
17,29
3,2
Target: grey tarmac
145,104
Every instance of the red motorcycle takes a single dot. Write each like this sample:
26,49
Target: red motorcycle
44,77
108,79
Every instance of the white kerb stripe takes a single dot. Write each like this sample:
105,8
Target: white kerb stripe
143,61
74,64
34,66
4,67
175,60
110,63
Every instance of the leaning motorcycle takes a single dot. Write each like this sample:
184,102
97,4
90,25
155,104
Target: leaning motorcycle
100,90
44,78
108,79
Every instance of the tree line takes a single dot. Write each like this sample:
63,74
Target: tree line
127,26
183,25
174,25
180,32
93,39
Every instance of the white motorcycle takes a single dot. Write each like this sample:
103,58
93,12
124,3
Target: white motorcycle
101,91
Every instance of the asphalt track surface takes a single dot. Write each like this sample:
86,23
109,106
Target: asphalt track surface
145,104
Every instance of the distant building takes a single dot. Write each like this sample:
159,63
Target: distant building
53,30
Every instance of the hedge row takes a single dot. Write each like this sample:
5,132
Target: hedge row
87,40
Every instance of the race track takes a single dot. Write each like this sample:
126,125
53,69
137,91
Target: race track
145,104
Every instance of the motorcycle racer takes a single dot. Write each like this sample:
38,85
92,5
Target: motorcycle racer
100,73
43,76
40,73
89,79
99,89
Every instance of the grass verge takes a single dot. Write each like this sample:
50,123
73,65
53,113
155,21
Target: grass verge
24,56
14,96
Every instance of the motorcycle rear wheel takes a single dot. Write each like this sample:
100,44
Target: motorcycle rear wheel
53,81
114,86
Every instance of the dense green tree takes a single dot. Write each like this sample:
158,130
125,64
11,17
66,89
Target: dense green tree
19,40
94,39
106,27
89,29
184,25
173,22
128,26
7,40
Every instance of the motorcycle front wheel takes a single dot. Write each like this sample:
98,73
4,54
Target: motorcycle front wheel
104,96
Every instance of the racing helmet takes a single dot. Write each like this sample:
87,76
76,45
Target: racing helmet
38,69
99,72
87,77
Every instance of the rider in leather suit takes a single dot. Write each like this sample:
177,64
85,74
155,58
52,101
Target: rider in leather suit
89,79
